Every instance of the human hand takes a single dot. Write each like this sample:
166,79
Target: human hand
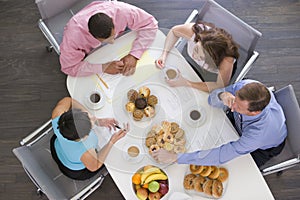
163,156
107,122
129,65
228,99
180,81
160,62
114,67
121,133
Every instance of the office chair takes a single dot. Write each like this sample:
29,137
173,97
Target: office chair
55,14
290,155
35,157
243,34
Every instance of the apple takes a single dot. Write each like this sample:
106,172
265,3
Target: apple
163,181
153,186
163,189
142,193
154,196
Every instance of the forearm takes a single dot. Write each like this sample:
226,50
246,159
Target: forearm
102,154
170,42
82,68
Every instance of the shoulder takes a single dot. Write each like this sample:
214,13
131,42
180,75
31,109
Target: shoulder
183,30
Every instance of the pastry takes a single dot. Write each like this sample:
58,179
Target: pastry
196,169
174,127
168,137
188,182
138,115
206,171
179,149
130,106
132,95
223,174
140,103
179,133
160,141
179,141
198,183
149,111
168,146
144,92
166,126
152,100
150,141
217,188
207,187
153,147
214,172
151,133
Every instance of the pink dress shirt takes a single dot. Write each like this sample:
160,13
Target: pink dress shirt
78,42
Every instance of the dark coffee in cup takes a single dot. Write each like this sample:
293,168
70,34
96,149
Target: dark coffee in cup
195,115
171,73
95,98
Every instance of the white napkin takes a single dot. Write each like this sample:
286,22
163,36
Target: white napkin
179,196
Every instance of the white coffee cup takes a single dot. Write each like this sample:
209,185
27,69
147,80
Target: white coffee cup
171,72
95,100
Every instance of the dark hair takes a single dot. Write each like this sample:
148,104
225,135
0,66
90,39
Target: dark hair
74,124
216,42
100,25
256,94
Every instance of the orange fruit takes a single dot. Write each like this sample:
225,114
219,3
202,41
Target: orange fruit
136,178
145,186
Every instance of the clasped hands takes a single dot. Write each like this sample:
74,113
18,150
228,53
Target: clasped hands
125,66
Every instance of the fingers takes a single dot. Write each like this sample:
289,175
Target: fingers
159,63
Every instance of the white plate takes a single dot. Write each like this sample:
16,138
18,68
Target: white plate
133,159
202,194
190,121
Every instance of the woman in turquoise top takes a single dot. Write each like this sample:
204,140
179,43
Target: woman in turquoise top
74,144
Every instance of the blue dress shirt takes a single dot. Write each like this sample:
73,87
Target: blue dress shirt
263,131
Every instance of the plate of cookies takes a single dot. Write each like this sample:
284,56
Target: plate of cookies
206,181
141,104
167,135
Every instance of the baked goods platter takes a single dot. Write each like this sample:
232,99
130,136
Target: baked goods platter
206,181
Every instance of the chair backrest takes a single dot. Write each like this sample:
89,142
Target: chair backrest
243,34
50,8
287,99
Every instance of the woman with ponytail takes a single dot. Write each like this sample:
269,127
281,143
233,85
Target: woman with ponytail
212,48
74,145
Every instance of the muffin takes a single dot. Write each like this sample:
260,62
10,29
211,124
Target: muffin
132,95
144,92
141,103
152,100
130,107
138,115
149,111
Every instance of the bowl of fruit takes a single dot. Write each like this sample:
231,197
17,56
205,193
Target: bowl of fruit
150,183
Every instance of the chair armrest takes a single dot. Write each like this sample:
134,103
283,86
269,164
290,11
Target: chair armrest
47,33
247,66
281,166
34,133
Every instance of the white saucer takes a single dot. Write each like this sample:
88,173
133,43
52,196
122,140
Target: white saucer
94,106
190,121
132,159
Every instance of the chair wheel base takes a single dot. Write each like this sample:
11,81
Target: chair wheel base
279,173
49,49
39,192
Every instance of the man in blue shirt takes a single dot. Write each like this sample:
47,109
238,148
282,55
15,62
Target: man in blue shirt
258,119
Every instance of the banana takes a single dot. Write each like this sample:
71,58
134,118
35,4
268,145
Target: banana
148,172
155,177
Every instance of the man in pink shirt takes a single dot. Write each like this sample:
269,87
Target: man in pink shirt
101,22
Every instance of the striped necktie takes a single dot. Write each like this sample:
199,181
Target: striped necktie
238,122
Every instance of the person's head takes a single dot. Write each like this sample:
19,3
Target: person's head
74,124
214,44
251,99
101,26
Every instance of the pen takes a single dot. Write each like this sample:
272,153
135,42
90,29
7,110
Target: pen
117,126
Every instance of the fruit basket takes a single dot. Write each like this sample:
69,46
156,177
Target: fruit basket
150,183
